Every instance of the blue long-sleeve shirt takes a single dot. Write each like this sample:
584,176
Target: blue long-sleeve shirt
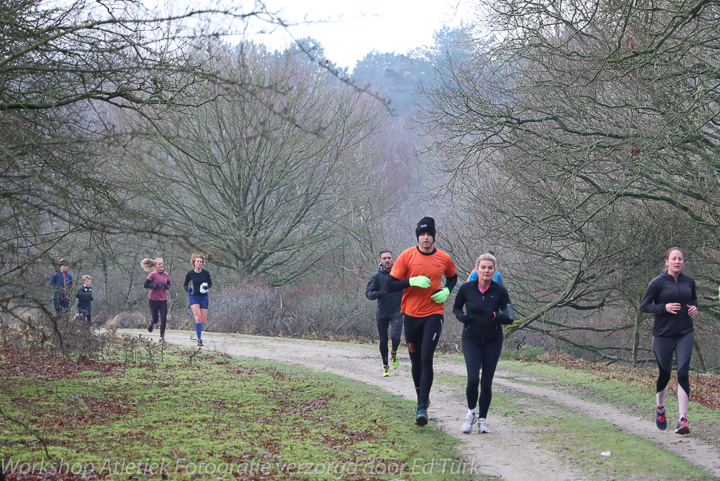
61,285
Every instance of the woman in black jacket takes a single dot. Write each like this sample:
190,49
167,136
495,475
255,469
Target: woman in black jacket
487,306
672,298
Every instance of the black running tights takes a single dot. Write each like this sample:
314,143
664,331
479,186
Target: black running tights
663,347
480,355
422,335
159,308
395,325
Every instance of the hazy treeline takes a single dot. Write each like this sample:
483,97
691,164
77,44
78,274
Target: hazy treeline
578,143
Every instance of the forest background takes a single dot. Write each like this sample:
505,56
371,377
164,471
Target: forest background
577,141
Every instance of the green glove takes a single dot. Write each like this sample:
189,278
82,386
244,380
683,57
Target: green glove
441,295
420,281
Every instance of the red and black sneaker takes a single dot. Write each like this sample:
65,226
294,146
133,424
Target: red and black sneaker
682,427
660,419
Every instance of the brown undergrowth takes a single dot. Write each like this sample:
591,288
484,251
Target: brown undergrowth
705,387
17,361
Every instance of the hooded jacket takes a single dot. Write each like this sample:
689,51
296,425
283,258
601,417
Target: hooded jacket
388,302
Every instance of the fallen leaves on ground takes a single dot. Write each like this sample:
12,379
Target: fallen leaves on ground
704,387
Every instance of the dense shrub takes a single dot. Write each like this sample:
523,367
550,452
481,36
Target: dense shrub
333,312
251,307
63,334
128,320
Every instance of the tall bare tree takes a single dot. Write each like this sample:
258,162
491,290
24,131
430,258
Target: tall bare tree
63,65
262,177
590,130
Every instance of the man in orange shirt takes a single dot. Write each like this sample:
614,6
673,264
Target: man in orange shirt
419,270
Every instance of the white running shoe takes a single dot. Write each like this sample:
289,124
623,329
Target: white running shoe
467,426
482,426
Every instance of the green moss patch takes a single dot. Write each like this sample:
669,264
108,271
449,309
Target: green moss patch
213,416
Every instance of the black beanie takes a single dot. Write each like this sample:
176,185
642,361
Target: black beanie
426,224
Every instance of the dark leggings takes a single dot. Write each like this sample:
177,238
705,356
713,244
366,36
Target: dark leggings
61,304
663,347
395,323
422,335
480,355
87,311
159,307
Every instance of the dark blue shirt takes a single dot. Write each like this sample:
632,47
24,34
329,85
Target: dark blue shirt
61,286
84,296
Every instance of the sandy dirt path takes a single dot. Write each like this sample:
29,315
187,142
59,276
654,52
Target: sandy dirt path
511,452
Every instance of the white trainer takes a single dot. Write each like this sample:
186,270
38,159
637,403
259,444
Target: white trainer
467,426
482,426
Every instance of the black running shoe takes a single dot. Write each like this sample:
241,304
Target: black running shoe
151,326
421,417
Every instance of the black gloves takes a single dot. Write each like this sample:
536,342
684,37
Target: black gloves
480,315
486,313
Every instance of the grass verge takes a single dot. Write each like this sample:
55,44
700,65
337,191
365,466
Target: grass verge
599,449
579,441
631,389
187,415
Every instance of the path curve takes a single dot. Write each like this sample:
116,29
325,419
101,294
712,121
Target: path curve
509,453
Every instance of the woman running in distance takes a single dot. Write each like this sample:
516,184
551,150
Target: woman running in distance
487,306
197,283
672,298
158,281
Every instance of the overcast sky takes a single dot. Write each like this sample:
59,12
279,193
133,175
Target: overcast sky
348,30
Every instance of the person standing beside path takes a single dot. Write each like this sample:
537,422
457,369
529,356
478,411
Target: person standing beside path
61,283
672,298
419,271
197,283
158,281
487,306
388,313
85,297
